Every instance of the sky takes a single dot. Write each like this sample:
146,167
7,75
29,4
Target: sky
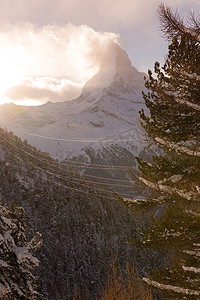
49,49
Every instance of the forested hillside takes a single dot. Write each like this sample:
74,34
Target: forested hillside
81,225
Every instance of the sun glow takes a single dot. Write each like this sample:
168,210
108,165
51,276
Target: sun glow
49,63
28,102
11,67
16,65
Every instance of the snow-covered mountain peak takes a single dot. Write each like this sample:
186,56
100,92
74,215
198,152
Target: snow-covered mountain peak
104,116
106,72
116,74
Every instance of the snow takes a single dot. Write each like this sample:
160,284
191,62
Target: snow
3,263
189,104
191,75
170,190
6,221
2,153
191,269
178,148
187,195
173,288
172,179
138,200
198,189
192,212
23,254
191,252
15,259
3,289
9,238
148,183
160,187
175,178
105,76
193,32
17,289
172,234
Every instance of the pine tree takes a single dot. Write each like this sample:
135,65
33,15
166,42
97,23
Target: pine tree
16,260
173,128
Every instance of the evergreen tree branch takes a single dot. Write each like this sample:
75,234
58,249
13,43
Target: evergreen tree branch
175,289
171,190
177,148
172,26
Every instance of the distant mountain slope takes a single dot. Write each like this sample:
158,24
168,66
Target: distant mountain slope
81,224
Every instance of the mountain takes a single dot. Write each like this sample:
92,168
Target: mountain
99,127
81,222
106,109
116,76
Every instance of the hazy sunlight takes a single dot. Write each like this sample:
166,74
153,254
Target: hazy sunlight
12,71
49,63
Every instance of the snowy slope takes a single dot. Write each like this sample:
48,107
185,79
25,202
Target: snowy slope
105,114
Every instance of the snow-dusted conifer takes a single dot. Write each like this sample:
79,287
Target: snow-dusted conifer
16,259
173,126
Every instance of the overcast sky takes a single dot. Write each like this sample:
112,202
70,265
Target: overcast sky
50,48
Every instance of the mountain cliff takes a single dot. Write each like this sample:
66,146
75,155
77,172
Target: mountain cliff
116,75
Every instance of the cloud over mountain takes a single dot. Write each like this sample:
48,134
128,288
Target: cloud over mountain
54,61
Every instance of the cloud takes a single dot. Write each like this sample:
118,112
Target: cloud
44,89
94,13
123,16
52,62
48,45
54,50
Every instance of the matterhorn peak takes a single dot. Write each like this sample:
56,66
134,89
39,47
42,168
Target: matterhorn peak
115,74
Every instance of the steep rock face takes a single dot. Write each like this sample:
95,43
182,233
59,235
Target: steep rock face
116,74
